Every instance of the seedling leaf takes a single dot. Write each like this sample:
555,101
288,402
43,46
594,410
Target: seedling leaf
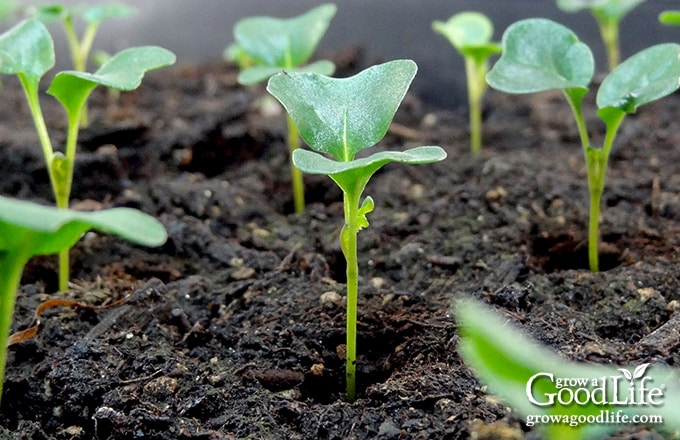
284,42
608,8
540,55
505,359
256,74
98,13
645,77
470,33
50,229
27,50
344,116
124,71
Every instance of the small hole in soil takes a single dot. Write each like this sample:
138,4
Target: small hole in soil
563,252
376,347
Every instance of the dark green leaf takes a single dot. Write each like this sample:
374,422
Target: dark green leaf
645,77
284,42
344,116
539,55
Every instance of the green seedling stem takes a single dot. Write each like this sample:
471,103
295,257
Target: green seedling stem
266,45
670,18
340,117
540,55
470,33
506,360
28,229
27,50
608,14
80,48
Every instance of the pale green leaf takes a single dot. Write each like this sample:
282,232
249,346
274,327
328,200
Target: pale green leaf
284,42
48,230
612,9
123,71
256,74
344,116
466,30
97,13
27,50
505,359
538,55
651,74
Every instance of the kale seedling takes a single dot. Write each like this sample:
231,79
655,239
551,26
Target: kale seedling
341,117
540,55
274,45
470,33
517,368
93,16
28,229
608,14
27,51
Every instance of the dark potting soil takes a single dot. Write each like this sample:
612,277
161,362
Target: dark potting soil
235,328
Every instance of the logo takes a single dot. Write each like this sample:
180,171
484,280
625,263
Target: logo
629,389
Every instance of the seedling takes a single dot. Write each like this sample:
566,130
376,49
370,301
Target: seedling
274,45
470,33
540,55
589,400
608,14
27,51
341,117
93,16
28,229
670,17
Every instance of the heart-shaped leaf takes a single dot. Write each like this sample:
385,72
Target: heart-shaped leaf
284,42
538,55
344,116
645,77
48,230
470,33
27,50
256,74
124,71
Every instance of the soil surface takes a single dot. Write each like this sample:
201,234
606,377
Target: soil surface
235,328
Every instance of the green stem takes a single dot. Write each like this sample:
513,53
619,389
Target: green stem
296,174
348,241
11,267
64,174
31,92
609,30
475,72
596,167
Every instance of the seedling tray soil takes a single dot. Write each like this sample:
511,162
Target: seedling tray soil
234,328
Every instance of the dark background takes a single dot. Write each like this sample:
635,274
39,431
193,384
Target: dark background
386,29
